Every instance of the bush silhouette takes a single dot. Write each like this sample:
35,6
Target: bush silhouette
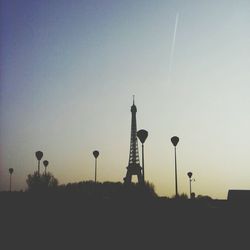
42,182
109,190
204,198
182,196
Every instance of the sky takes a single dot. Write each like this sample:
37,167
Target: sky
69,69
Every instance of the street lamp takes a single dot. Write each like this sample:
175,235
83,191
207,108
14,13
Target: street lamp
190,180
39,156
96,154
142,135
175,141
45,163
11,170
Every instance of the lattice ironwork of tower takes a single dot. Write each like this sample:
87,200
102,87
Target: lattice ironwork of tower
134,167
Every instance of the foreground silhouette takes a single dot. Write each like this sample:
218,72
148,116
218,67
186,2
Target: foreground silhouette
114,216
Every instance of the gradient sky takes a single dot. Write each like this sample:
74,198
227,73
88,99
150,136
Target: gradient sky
69,70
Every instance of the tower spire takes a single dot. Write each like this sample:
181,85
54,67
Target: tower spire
134,167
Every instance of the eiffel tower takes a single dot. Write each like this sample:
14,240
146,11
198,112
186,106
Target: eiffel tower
133,167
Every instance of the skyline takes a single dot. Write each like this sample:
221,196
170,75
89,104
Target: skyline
69,70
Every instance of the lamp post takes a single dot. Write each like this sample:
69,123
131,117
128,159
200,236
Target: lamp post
142,135
96,154
175,141
190,180
39,156
11,170
45,163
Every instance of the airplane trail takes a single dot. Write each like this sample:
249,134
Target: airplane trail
173,46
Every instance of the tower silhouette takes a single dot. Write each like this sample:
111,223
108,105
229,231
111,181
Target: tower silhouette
134,167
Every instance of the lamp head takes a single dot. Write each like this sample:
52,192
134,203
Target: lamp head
45,163
142,135
190,174
96,153
39,155
175,140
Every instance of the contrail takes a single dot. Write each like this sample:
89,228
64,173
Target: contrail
173,46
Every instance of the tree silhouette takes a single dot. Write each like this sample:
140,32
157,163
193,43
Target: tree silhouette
43,182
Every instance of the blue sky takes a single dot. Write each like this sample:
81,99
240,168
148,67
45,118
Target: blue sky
69,70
